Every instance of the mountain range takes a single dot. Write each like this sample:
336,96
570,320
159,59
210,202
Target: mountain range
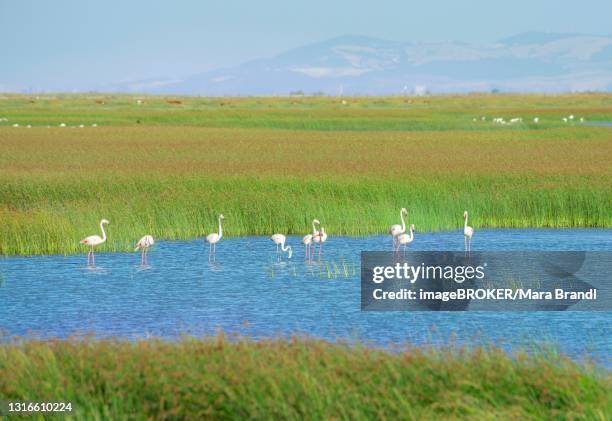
353,65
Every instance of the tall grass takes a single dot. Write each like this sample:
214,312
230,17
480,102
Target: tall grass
171,179
52,217
216,378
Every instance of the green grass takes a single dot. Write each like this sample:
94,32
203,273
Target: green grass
273,164
297,379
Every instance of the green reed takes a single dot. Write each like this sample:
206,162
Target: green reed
299,379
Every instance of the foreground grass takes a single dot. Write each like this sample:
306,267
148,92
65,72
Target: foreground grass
296,379
273,164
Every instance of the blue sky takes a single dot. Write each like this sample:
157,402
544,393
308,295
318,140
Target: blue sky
60,43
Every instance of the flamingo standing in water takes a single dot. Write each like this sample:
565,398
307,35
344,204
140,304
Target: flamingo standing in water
214,238
467,233
143,244
397,229
319,239
279,240
93,241
405,239
308,239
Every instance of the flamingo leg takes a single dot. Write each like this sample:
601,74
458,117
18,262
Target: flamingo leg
93,257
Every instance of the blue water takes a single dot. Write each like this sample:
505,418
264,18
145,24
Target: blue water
248,292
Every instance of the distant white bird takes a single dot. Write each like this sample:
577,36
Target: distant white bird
214,238
62,125
81,126
279,240
406,239
143,244
29,126
582,119
94,125
571,117
483,118
15,125
564,120
468,232
396,229
93,241
536,120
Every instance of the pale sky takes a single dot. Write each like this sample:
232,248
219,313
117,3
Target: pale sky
60,44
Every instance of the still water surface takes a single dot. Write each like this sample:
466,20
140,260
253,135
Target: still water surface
246,291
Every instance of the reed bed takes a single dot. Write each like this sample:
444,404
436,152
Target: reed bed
171,178
215,378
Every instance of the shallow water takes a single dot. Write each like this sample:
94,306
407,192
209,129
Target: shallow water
246,291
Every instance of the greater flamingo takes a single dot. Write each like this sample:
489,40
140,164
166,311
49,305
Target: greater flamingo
467,233
279,240
93,241
320,238
143,244
214,238
307,240
405,239
396,229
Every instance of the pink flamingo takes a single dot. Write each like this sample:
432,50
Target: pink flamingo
396,229
468,232
143,244
93,241
214,238
307,240
405,239
279,240
319,239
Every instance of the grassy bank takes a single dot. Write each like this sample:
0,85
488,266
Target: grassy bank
298,379
273,164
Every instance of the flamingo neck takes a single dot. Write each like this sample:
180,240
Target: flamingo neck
403,222
465,224
220,230
411,234
314,229
103,232
284,247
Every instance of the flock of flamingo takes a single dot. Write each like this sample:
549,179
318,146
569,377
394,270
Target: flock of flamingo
318,237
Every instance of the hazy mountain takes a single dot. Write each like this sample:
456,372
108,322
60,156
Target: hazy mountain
534,61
